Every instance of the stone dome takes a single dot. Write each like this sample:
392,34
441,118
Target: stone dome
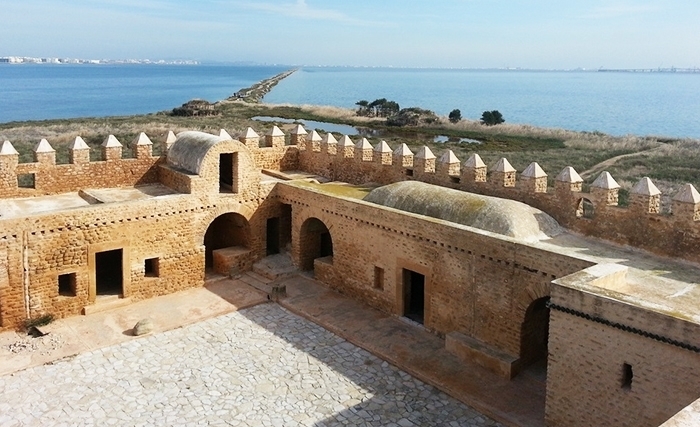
189,149
501,216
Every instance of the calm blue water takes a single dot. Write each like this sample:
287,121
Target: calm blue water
615,103
44,91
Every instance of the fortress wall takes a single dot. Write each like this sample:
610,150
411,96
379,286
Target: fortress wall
639,225
276,158
170,229
592,338
50,178
477,283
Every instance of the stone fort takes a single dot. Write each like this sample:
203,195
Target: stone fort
512,274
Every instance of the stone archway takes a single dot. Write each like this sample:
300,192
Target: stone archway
315,241
229,230
534,334
585,209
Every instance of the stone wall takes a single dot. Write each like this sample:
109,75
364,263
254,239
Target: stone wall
613,363
477,283
640,225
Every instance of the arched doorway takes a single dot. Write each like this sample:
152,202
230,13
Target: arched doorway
226,231
315,242
585,209
534,335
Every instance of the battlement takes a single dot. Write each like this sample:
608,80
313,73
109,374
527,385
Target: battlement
594,213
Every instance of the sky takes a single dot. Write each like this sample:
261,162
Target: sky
547,34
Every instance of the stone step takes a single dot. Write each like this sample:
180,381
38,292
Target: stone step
104,303
258,277
273,290
275,267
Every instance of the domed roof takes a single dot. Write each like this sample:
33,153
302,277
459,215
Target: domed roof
189,150
502,216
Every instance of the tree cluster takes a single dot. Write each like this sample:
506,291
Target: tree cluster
377,108
491,118
413,116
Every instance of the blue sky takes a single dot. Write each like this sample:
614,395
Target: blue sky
405,33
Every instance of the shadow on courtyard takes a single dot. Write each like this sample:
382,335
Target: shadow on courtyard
411,348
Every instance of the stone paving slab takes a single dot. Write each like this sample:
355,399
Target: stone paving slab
261,366
517,402
78,334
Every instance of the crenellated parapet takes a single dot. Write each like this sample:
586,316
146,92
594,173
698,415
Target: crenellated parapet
44,176
595,212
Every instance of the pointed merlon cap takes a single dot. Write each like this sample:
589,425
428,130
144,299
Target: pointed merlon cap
449,158
8,150
314,136
224,135
425,153
403,150
79,144
250,133
569,174
275,132
345,141
142,139
688,194
503,165
382,147
329,139
43,147
645,187
111,141
605,181
363,144
299,130
533,171
474,161
171,138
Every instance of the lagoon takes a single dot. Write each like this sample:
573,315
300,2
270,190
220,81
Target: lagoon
662,104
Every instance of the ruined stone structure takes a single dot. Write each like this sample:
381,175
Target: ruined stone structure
485,259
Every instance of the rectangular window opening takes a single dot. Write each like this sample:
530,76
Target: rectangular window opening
454,179
409,172
379,278
151,267
627,376
26,180
66,285
228,172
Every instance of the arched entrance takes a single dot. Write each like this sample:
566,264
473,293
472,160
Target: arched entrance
226,231
315,242
585,209
534,335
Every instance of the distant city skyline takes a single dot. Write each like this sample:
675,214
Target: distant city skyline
541,34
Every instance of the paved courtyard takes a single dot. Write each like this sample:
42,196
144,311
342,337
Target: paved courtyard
261,366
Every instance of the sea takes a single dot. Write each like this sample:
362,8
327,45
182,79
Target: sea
661,104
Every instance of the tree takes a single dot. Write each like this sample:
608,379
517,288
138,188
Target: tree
455,115
491,118
364,108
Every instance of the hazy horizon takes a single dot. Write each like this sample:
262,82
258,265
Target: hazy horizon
465,34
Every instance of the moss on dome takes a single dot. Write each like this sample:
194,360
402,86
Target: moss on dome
502,216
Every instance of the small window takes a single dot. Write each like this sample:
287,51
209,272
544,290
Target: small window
378,278
409,172
66,285
627,375
454,179
26,180
151,267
